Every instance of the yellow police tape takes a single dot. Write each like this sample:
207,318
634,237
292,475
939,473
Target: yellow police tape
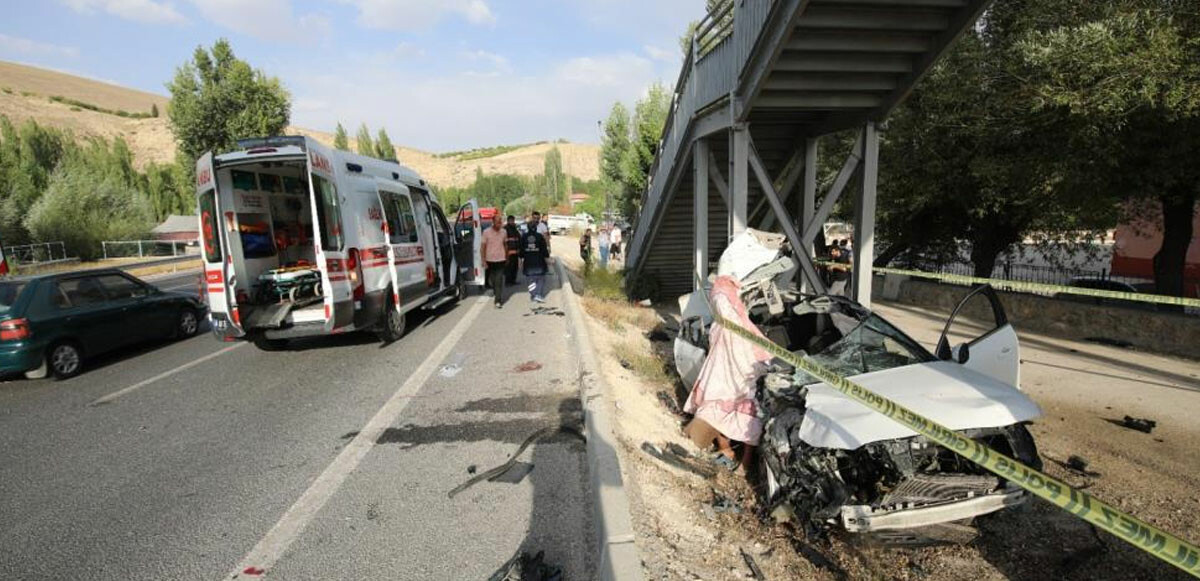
1136,532
1018,286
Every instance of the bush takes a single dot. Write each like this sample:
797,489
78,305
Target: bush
86,203
605,284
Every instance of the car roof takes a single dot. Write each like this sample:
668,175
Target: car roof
61,275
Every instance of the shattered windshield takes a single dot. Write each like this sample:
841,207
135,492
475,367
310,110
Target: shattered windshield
872,345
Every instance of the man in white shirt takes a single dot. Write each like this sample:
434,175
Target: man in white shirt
614,237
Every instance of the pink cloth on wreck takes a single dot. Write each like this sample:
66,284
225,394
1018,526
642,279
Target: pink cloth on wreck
724,393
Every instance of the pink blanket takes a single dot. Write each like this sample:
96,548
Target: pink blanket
724,393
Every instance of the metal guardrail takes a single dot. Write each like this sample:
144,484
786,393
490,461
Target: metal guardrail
145,248
35,253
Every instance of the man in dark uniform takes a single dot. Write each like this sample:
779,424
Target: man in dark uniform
512,242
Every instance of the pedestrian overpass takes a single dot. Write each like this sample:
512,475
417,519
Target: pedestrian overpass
764,80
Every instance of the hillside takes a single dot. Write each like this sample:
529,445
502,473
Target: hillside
25,92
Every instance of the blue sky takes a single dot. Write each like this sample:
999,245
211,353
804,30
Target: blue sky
438,74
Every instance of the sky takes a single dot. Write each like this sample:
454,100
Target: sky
439,75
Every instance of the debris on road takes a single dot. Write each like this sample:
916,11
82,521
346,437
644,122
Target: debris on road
755,571
495,473
527,366
679,458
1077,463
550,311
471,469
523,567
253,571
1139,424
449,370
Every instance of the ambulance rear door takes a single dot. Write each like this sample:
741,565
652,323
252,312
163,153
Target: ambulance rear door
218,270
468,241
330,241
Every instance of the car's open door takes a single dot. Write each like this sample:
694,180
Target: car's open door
468,239
995,352
218,272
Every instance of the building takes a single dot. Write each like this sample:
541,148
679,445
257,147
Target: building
177,227
578,198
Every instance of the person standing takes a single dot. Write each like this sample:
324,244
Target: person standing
534,253
838,273
605,243
615,238
512,243
495,254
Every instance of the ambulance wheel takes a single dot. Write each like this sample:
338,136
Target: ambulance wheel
264,343
393,325
460,290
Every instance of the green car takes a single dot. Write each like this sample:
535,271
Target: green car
51,323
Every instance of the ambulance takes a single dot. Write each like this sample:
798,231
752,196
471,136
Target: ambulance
300,240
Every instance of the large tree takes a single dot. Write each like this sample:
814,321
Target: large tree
614,148
630,144
217,98
1128,74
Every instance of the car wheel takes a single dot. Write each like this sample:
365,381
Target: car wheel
65,360
393,324
187,324
265,343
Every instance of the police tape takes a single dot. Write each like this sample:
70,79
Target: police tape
1163,545
1030,287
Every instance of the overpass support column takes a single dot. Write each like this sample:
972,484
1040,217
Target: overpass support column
700,155
739,189
808,201
864,217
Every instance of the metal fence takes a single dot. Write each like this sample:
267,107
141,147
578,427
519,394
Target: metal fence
144,248
1037,273
35,253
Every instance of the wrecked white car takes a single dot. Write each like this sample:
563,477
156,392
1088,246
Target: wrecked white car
828,461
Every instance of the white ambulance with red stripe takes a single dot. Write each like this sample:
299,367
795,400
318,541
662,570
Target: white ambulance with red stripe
299,239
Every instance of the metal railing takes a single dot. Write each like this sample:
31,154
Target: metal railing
35,253
152,248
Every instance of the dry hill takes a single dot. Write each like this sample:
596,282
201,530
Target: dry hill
25,93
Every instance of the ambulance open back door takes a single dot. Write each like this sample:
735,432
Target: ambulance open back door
218,270
468,244
341,270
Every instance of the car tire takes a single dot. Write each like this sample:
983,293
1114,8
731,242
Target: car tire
39,372
393,325
187,324
65,359
265,343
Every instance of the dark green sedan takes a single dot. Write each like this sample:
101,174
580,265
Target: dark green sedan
51,323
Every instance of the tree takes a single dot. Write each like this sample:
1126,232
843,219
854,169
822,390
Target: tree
154,110
363,141
710,40
554,181
383,146
649,116
340,139
28,155
1129,75
217,98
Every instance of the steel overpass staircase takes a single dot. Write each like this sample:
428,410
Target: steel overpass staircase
763,82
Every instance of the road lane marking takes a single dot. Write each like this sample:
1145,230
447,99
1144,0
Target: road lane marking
271,547
116,394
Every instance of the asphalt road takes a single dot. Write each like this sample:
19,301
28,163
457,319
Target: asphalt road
331,460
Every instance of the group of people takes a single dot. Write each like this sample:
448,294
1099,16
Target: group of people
506,249
840,252
608,240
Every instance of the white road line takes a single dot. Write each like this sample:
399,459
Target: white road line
271,547
114,395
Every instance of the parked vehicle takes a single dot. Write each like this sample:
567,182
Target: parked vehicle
52,323
303,240
830,461
560,224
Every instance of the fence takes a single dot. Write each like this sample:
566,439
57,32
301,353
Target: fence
144,248
1038,273
35,253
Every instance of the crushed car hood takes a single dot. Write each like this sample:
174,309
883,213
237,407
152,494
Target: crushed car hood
943,391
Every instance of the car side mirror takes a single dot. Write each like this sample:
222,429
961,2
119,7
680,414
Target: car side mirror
962,353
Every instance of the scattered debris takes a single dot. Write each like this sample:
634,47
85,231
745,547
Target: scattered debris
528,366
1139,424
551,311
645,303
253,571
493,474
449,370
471,469
522,567
682,461
754,570
724,504
349,435
1077,463
658,334
1110,342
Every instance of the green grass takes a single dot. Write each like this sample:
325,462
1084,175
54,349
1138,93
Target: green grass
7,90
483,152
28,94
77,105
643,363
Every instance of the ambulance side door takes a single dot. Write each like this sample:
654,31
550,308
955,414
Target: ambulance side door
468,241
408,254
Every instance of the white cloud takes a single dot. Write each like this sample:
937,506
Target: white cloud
415,15
498,61
459,110
264,19
27,47
659,53
147,11
406,50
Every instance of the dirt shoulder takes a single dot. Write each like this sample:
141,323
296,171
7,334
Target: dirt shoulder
683,534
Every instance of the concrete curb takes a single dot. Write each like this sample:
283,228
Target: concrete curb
619,559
